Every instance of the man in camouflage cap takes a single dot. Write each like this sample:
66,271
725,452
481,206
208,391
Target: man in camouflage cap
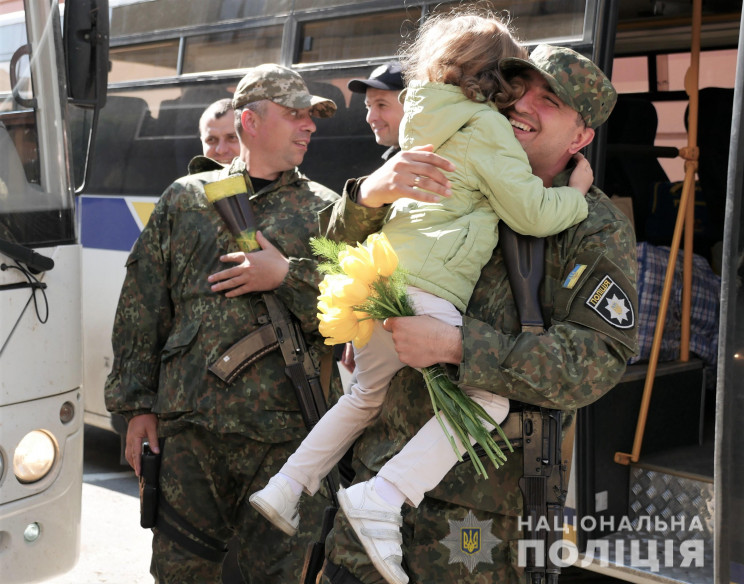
588,302
574,79
180,310
282,86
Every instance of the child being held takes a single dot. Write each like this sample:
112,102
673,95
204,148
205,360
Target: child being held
455,91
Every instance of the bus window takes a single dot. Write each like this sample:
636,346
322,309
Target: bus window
234,49
666,82
144,61
17,122
14,35
537,22
147,135
308,4
671,132
150,17
29,212
630,74
717,69
355,37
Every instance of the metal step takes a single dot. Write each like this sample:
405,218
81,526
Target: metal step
668,534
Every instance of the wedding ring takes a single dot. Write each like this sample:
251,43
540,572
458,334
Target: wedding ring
416,181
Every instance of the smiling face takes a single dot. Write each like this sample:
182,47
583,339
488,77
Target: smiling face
277,138
219,139
549,130
384,113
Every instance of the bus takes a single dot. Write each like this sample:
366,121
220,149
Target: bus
670,510
41,362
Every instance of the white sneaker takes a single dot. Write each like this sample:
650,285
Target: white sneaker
377,525
277,503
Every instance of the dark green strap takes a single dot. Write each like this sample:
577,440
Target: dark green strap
339,575
204,545
524,257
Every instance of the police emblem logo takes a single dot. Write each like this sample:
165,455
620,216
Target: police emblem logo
470,541
612,304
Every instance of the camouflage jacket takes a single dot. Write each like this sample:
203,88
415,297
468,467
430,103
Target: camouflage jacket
580,357
169,326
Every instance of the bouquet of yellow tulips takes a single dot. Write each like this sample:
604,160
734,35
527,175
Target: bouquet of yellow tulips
363,283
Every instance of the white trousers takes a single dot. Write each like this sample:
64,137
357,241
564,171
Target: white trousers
427,457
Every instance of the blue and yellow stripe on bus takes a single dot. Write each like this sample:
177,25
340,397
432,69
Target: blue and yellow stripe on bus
111,222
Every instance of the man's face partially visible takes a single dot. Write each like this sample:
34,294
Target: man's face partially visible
219,139
549,130
384,113
282,136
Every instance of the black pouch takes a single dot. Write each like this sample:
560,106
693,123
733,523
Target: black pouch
148,486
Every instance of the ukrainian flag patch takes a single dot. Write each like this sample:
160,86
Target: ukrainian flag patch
574,276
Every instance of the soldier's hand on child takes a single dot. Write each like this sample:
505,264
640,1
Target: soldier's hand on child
421,341
415,174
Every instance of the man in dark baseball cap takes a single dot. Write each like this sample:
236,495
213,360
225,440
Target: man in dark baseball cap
384,110
388,76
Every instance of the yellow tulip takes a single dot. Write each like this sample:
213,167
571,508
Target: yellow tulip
364,333
338,330
357,263
383,254
331,311
343,290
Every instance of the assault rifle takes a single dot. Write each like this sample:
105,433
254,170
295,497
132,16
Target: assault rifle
543,491
305,378
282,331
543,482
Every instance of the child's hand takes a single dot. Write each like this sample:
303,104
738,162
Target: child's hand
582,176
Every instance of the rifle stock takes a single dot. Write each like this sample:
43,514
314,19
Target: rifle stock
524,257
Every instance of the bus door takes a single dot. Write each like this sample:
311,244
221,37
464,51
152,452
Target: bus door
729,452
667,511
41,394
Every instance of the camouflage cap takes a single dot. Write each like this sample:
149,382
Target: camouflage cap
575,80
283,86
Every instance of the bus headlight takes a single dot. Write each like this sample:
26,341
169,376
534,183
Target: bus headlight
34,456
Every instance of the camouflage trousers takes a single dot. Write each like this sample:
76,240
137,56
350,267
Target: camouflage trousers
442,543
207,479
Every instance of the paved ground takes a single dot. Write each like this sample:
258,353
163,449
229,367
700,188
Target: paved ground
114,549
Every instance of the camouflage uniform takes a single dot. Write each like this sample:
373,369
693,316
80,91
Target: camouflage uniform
222,441
580,357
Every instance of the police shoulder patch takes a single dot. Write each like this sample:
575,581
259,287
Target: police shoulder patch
612,304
